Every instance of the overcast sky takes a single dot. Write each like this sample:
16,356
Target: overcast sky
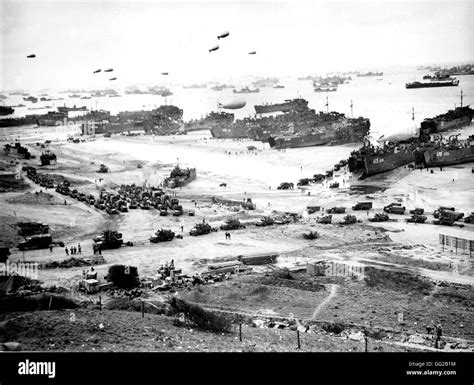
144,38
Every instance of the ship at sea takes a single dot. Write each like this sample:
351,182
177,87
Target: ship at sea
194,86
369,74
265,82
450,153
451,82
212,120
324,89
246,90
288,105
31,99
459,117
343,131
71,109
5,110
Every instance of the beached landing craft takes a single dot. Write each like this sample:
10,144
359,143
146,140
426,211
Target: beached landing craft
459,117
180,177
451,153
347,131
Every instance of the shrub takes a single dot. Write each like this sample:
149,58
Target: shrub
203,319
336,328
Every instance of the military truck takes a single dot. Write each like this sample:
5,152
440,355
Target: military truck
325,219
122,206
304,182
265,221
232,224
318,178
177,210
285,186
469,218
162,235
40,241
103,169
47,157
394,208
248,205
336,210
90,199
380,217
448,213
362,206
349,220
416,218
201,229
111,210
89,285
109,239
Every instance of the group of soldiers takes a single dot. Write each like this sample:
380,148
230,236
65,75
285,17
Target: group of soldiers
73,250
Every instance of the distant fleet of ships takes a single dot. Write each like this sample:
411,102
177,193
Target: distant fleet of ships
295,125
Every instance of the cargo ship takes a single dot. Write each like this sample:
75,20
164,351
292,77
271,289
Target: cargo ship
5,110
246,90
431,84
31,99
344,131
72,109
459,117
288,105
180,177
451,153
